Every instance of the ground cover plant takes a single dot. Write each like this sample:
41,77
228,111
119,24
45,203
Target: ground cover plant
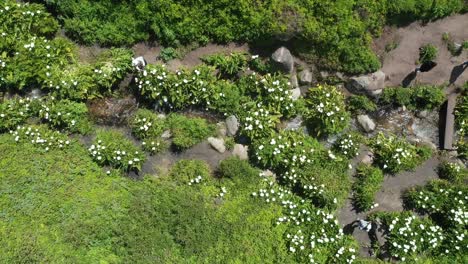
452,172
394,155
368,182
112,148
422,97
188,131
149,127
360,104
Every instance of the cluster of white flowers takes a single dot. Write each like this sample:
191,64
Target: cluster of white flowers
55,117
95,150
196,180
298,215
223,192
39,137
151,146
2,64
348,146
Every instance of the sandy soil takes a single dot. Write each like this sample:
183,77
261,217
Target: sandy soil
400,62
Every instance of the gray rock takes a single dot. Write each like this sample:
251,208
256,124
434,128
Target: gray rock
294,124
166,134
371,84
368,158
222,130
283,58
296,93
232,125
366,123
139,63
293,80
305,77
241,151
35,93
217,143
268,173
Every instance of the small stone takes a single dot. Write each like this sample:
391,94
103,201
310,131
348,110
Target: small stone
371,84
284,59
368,158
366,123
294,82
217,143
240,151
296,94
222,130
166,134
305,77
232,125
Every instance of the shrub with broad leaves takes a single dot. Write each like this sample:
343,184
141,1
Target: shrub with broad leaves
368,182
67,115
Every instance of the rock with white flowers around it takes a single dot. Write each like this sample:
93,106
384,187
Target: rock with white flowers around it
221,129
371,84
139,63
305,77
366,123
232,125
240,151
296,94
283,59
166,134
217,143
368,158
294,81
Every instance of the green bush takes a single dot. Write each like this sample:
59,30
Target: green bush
360,104
452,172
15,112
228,65
394,155
423,97
348,145
66,115
190,172
146,124
168,54
368,182
427,53
112,148
188,131
231,98
326,111
40,137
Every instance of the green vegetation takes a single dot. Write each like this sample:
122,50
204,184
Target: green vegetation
111,147
360,104
452,172
66,115
188,131
168,54
368,182
423,97
348,145
327,112
394,155
427,53
227,65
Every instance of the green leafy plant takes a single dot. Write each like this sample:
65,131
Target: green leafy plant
66,115
368,182
423,97
188,131
190,172
348,145
327,113
452,172
15,112
168,54
360,104
40,137
112,148
394,155
427,53
228,65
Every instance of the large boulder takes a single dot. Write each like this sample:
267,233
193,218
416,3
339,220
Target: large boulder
284,59
305,77
241,151
370,84
232,125
366,123
112,111
217,143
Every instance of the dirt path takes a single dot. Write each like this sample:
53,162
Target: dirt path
400,62
388,198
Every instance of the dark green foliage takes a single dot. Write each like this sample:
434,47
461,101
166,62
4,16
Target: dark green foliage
368,182
14,112
360,104
66,115
423,97
168,54
427,53
185,171
188,131
228,66
453,172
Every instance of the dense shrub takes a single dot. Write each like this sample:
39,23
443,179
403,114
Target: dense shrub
368,182
360,104
188,131
40,137
452,172
348,145
394,155
14,112
66,115
231,99
257,121
423,97
168,54
427,53
228,66
148,127
111,147
190,172
326,110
